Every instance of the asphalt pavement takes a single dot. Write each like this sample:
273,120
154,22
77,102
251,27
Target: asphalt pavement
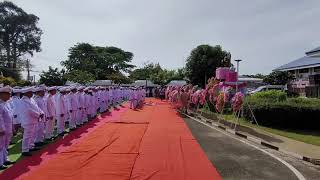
236,160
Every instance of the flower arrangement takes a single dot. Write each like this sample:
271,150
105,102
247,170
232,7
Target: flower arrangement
203,96
195,97
237,101
220,102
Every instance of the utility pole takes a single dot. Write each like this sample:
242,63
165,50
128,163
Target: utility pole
205,80
238,61
28,69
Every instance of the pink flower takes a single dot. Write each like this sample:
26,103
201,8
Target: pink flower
237,101
220,102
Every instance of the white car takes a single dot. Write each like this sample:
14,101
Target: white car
268,88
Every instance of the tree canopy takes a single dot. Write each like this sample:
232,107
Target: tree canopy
19,36
79,76
278,78
119,78
100,62
52,77
203,61
157,74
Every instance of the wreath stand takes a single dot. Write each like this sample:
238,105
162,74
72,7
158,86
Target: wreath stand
238,113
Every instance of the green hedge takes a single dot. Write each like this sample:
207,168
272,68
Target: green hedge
273,95
297,113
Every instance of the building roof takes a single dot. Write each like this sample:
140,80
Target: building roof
249,79
316,50
143,83
71,83
311,60
177,83
102,83
304,62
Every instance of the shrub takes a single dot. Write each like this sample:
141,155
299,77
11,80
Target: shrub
273,95
7,81
297,113
23,83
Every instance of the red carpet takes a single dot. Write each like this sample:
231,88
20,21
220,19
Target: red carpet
153,143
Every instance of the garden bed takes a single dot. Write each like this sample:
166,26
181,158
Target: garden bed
306,136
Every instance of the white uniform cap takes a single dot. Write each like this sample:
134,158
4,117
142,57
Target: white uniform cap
16,90
6,89
62,89
36,89
72,88
52,88
40,88
86,89
27,89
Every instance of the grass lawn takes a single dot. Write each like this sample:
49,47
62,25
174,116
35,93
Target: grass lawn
310,137
15,148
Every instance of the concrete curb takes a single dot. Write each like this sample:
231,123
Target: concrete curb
256,140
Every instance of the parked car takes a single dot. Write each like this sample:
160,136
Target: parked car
268,88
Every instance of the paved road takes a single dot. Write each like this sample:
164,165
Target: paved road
236,160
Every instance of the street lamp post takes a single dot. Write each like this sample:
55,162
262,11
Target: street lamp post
238,61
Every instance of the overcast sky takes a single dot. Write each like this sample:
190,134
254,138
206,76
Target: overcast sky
263,33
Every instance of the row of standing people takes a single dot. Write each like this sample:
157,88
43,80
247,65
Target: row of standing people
137,98
39,110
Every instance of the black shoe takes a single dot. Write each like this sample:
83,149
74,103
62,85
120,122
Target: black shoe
44,143
3,167
37,144
26,154
35,149
61,134
7,163
48,139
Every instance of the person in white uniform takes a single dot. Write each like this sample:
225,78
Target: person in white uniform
81,106
6,126
30,115
67,104
39,98
51,116
14,104
61,111
73,108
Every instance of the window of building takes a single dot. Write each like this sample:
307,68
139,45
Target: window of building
292,72
316,69
306,70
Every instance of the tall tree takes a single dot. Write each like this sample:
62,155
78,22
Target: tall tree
203,61
143,73
19,36
78,76
119,78
98,61
52,77
157,74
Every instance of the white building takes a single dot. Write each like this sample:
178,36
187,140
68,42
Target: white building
306,71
